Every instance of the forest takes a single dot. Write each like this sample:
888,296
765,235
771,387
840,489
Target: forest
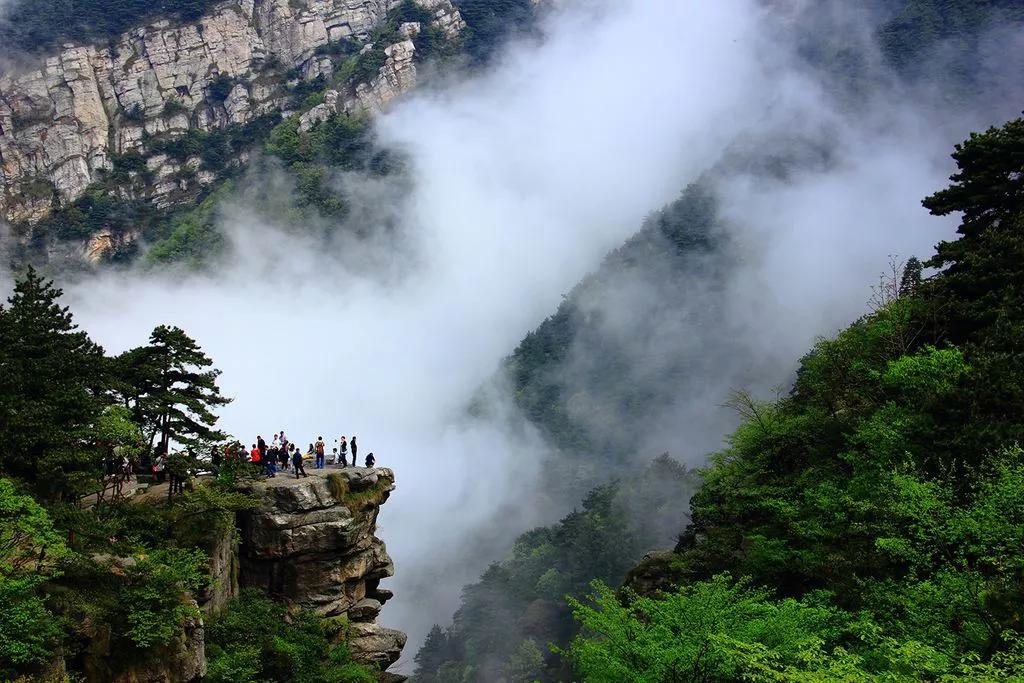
865,526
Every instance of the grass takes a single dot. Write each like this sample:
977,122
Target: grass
356,501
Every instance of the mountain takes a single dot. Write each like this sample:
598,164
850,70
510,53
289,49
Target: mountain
864,526
116,140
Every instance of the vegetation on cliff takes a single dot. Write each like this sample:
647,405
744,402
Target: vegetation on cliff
868,524
506,621
38,26
93,581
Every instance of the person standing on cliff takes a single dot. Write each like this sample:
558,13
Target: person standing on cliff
282,456
319,450
270,462
297,463
355,451
262,445
344,452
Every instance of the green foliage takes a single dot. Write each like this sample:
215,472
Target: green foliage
50,393
169,389
219,88
30,550
546,381
39,25
925,34
116,428
518,605
153,604
357,501
490,23
256,640
173,106
882,500
193,239
715,630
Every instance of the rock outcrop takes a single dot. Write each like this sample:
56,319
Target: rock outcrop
63,124
311,543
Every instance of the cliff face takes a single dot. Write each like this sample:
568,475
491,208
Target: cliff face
311,543
62,124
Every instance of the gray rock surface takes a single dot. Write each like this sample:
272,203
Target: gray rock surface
311,543
62,123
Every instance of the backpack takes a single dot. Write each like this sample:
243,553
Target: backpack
319,447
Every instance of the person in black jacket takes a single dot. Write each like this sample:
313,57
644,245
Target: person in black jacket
370,460
355,452
297,462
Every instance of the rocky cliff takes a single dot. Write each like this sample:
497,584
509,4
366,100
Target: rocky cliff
64,124
311,543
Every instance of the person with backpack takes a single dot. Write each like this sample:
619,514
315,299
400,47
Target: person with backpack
297,463
370,460
355,451
319,450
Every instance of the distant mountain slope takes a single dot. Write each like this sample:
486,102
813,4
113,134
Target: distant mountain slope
602,387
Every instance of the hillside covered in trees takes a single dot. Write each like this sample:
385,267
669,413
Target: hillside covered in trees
867,525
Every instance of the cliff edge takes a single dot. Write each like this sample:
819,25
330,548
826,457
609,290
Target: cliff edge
312,543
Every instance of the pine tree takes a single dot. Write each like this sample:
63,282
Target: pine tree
51,393
436,649
171,391
981,284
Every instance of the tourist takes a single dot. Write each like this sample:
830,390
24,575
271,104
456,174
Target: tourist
344,452
319,450
159,466
270,463
297,462
282,455
370,460
355,452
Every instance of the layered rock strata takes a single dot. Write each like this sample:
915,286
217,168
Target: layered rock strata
63,123
311,543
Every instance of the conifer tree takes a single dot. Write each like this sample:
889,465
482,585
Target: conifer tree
51,393
171,389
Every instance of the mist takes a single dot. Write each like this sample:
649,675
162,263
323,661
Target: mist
521,179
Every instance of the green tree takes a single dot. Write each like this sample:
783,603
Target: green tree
51,393
30,550
171,391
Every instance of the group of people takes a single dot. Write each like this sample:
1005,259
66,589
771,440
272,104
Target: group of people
281,452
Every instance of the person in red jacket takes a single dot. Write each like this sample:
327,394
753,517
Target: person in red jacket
254,454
